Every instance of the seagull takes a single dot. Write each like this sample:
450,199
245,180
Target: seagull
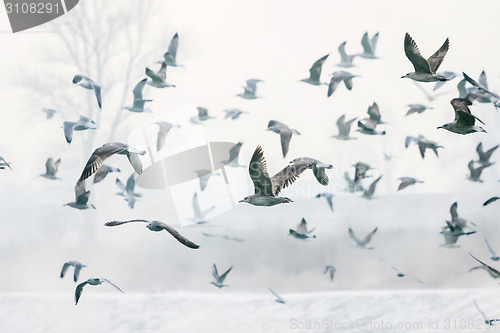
202,116
369,128
490,200
267,188
102,153
164,128
170,56
345,60
430,97
407,181
278,298
369,46
456,221
344,128
233,114
301,231
4,163
399,273
199,215
204,176
51,167
92,282
455,228
301,164
425,70
479,92
490,269
362,243
417,108
49,112
374,114
315,72
285,134
368,194
127,191
494,256
328,197
158,79
102,172
423,144
219,280
475,173
250,89
451,237
76,264
360,169
234,154
82,124
464,120
487,321
226,237
331,271
81,197
337,77
484,157
87,83
139,102
158,226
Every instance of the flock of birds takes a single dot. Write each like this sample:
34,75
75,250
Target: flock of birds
267,188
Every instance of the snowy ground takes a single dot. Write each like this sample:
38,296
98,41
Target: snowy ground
449,310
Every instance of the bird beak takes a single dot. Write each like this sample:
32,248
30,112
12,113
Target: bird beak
440,127
403,76
241,201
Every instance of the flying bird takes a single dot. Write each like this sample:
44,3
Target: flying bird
127,191
203,177
49,113
464,122
374,115
318,168
233,114
82,124
76,264
102,153
480,92
337,77
87,83
163,130
345,59
487,321
219,280
139,101
328,197
423,144
344,128
301,231
103,171
360,170
285,133
398,272
234,154
315,72
425,70
202,116
407,181
362,243
4,163
92,282
267,188
51,168
250,89
81,197
368,194
158,79
369,127
475,173
494,256
369,46
490,269
158,226
417,108
199,215
278,298
330,270
170,57
484,157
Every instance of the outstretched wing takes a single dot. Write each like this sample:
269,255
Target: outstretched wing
138,89
174,44
315,70
115,223
114,285
78,291
183,240
283,179
97,158
258,172
413,54
491,269
64,269
369,237
436,59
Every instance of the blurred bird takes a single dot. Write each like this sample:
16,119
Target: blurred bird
92,282
328,197
475,173
301,231
368,194
330,270
425,70
423,144
199,215
158,226
315,72
278,298
170,56
158,79
455,228
374,114
369,127
76,264
478,92
464,120
102,153
127,191
430,96
49,113
484,268
233,114
490,200
219,280
494,98
51,168
447,75
81,197
82,124
226,237
407,181
417,108
164,128
234,154
484,157
345,59
490,269
103,171
202,116
344,128
250,89
4,163
285,133
301,164
139,101
337,77
362,243
487,321
87,83
267,188
203,177
369,46
494,256
360,170
398,272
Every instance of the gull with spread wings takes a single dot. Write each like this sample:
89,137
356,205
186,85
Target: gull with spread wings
464,122
315,72
92,282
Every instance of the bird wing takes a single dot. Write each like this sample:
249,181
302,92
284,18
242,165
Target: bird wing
278,298
154,77
489,247
371,189
343,131
422,146
332,86
453,211
436,59
174,44
480,152
374,112
78,291
258,172
115,223
462,111
479,310
491,269
482,80
138,89
413,54
343,55
68,130
365,42
403,185
315,70
354,238
120,185
489,152
135,161
114,285
50,167
283,179
215,274
320,175
183,240
162,72
98,156
97,92
490,200
252,85
160,141
374,41
348,82
369,237
196,206
78,268
302,227
223,276
479,86
234,152
64,269
130,184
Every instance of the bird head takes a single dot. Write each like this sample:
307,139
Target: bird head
246,199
